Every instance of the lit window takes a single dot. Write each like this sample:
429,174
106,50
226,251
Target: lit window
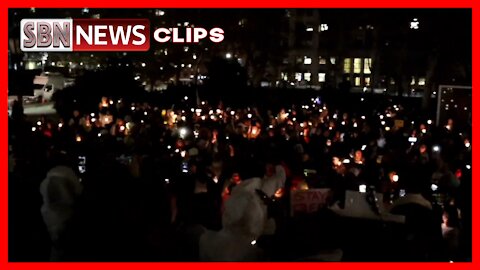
367,81
421,81
357,81
332,60
357,65
367,64
299,60
307,76
321,77
392,81
347,65
309,29
298,76
323,27
284,76
159,12
322,61
307,60
413,81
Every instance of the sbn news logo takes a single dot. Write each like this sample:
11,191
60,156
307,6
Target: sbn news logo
67,35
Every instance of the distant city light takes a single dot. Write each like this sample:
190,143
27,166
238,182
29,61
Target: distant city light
228,55
323,27
310,29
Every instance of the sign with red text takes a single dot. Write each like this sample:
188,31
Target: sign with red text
308,201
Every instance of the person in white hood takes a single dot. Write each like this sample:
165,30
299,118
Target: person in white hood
60,190
243,223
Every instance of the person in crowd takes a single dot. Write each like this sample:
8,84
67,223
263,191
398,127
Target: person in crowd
421,240
451,231
60,190
242,220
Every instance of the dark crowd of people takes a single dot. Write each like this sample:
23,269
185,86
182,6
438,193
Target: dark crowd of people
136,182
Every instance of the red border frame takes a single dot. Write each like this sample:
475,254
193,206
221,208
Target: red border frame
5,4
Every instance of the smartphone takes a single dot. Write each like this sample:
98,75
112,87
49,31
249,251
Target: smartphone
185,167
412,139
82,162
